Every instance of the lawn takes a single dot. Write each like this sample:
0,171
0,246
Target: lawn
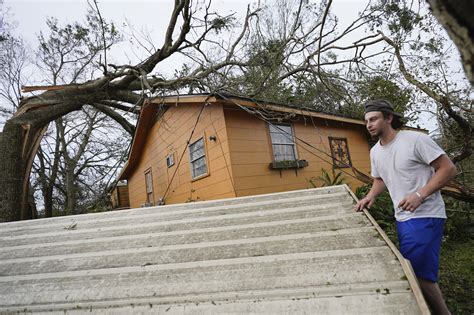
457,275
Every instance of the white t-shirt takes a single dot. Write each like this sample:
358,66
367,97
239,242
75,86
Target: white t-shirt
404,166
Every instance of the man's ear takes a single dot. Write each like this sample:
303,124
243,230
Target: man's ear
389,118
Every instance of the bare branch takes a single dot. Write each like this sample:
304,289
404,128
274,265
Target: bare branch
443,100
116,116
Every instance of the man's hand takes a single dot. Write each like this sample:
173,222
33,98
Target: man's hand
410,202
378,187
367,201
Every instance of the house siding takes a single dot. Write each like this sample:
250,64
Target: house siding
169,135
119,197
251,153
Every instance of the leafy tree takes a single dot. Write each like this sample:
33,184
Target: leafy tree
378,87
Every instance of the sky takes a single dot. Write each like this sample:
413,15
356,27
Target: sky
146,16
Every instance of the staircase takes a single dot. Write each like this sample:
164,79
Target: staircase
298,252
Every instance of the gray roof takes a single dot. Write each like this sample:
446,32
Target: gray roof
299,252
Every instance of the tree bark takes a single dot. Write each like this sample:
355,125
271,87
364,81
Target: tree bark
456,16
19,142
71,189
11,179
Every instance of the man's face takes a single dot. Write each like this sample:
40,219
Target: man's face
376,124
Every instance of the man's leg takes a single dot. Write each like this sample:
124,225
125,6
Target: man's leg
420,243
433,296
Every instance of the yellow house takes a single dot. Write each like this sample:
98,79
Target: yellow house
203,147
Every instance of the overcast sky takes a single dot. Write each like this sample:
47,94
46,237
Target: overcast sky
149,16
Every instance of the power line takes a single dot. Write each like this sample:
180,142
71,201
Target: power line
184,150
223,154
261,116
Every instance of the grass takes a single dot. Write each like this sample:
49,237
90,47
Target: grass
456,276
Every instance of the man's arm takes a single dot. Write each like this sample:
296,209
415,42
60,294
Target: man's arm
445,171
378,187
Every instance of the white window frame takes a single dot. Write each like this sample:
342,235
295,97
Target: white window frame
203,157
292,144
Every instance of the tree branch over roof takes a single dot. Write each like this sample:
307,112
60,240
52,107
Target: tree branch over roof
105,108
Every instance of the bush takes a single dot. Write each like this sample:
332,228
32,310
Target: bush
327,180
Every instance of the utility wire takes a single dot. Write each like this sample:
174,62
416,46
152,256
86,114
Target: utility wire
259,115
223,154
262,117
184,150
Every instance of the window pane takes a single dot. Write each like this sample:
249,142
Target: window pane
199,167
170,160
282,152
196,145
282,138
280,128
196,149
149,197
197,154
281,134
197,157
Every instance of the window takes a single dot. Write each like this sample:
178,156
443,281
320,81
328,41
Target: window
170,160
197,157
283,144
149,187
340,152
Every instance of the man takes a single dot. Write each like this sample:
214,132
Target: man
413,168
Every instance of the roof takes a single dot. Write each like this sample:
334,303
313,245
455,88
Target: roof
148,116
299,252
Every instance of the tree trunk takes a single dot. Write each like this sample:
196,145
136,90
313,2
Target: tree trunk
71,189
48,201
456,18
45,180
32,209
12,168
19,142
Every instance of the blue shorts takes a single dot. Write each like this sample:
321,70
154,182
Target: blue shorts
420,243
